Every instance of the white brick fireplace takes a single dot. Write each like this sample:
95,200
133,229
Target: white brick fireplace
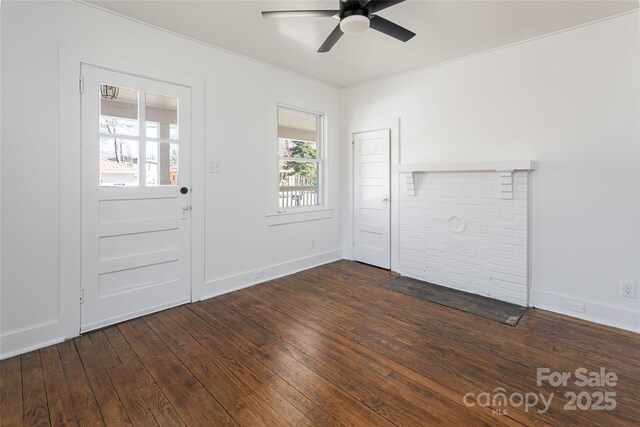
466,226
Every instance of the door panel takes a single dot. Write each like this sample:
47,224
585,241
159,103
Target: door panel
135,231
371,204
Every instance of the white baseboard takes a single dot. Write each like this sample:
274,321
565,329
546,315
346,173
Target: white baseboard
224,285
593,311
139,313
43,335
28,339
33,338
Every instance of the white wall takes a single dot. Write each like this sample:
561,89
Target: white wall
239,244
570,102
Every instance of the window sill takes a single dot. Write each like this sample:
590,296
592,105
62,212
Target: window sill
294,215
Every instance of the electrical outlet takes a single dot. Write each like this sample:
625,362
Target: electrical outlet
627,288
312,243
578,307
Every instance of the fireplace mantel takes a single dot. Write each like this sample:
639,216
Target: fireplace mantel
508,165
504,168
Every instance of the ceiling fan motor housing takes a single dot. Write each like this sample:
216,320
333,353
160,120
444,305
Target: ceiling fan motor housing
356,16
354,21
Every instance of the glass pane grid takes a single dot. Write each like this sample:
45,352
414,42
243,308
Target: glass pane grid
298,184
122,143
119,144
118,162
299,158
161,113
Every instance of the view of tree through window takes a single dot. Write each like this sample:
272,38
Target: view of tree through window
121,142
299,158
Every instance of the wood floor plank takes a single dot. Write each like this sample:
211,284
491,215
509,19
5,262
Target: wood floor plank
328,346
34,395
305,343
132,401
11,392
314,387
348,363
316,343
210,372
479,342
402,361
86,410
603,343
240,369
174,378
158,403
58,395
383,331
405,314
288,400
110,405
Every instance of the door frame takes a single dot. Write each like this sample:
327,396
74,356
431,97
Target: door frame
348,214
71,57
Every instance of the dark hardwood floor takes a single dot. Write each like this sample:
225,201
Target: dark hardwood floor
327,346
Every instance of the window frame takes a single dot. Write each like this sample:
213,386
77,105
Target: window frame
294,102
319,160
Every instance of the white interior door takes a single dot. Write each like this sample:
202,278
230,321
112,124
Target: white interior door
135,197
371,201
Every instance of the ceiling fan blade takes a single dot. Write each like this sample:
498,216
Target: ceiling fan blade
391,29
299,13
331,40
377,5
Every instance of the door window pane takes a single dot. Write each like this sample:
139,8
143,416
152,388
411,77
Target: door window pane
173,132
119,131
153,129
152,163
161,113
173,164
118,162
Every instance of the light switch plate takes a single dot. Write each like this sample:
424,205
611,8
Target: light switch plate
213,167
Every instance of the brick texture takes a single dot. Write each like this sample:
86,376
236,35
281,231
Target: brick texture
459,231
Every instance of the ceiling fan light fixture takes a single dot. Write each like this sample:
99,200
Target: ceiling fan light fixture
354,24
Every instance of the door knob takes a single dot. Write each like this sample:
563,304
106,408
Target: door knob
184,190
386,199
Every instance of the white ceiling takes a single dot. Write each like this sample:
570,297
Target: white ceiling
445,30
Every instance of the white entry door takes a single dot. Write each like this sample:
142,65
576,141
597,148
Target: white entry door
371,201
135,197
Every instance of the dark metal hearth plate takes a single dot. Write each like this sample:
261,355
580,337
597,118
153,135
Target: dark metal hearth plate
501,311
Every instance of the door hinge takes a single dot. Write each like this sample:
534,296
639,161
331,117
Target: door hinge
353,144
81,295
81,84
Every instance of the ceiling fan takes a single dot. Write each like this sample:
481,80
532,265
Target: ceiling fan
356,16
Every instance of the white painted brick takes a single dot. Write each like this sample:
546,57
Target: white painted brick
490,256
501,232
520,234
508,278
508,255
511,241
520,265
513,210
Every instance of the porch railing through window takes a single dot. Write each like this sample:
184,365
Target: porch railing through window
294,196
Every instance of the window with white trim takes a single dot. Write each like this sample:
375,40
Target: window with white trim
300,141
